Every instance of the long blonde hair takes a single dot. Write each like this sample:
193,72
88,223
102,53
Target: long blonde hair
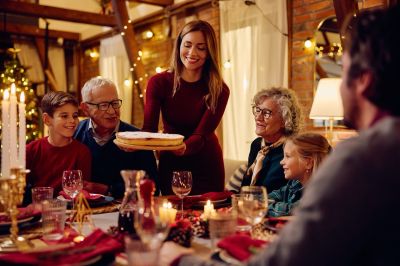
212,67
311,145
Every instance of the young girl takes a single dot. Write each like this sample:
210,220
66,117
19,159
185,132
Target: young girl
302,155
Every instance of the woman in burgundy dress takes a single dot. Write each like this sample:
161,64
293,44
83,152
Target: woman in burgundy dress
192,98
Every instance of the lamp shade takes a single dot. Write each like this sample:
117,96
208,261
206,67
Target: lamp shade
327,103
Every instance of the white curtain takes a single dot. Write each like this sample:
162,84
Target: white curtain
57,62
114,64
254,54
28,56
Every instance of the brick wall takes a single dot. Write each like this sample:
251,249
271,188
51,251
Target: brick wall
306,16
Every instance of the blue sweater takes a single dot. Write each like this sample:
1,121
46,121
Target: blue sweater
108,160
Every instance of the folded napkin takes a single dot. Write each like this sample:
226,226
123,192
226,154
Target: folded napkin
190,200
22,214
241,247
96,244
88,196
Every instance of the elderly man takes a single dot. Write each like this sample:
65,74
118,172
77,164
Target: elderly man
347,215
101,104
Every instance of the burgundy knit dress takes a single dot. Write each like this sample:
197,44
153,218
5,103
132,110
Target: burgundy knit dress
186,113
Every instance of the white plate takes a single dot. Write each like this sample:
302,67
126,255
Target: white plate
212,201
19,221
224,255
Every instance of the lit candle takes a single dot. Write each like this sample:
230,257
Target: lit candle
166,213
22,130
5,135
208,209
171,213
13,127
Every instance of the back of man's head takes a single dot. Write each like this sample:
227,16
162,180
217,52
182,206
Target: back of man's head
94,83
372,40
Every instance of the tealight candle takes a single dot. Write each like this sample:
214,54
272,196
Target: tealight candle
208,209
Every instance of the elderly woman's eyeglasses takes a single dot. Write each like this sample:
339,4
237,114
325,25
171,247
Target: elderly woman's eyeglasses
116,104
266,113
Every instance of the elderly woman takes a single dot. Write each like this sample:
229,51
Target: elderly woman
277,116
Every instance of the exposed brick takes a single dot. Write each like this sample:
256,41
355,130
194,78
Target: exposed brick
316,7
297,3
302,18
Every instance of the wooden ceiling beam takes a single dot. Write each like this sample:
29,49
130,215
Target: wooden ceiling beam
344,8
28,30
56,13
131,47
162,3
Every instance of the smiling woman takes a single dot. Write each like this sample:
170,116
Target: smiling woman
192,98
277,116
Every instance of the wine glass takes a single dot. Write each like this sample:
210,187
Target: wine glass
253,203
72,184
149,224
181,184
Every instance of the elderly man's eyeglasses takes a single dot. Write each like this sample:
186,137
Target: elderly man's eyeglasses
266,113
116,104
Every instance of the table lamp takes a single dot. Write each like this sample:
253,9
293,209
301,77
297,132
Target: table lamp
327,103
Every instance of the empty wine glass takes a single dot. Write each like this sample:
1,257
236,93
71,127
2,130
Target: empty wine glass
72,184
181,184
150,225
253,203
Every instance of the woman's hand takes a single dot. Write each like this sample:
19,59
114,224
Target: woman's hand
180,151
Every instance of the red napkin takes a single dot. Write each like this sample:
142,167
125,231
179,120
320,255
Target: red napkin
240,246
96,244
88,196
22,214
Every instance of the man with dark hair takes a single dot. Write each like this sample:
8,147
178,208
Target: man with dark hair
347,215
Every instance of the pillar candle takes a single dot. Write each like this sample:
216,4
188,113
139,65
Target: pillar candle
22,131
5,135
171,213
13,127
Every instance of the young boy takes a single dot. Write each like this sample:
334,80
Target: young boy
48,157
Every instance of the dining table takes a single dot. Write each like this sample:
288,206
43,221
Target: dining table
105,218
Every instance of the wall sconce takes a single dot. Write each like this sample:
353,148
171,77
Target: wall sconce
92,53
308,43
147,35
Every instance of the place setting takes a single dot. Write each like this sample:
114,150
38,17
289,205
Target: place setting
72,185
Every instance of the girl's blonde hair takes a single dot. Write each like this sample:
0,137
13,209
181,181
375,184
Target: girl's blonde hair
212,67
311,146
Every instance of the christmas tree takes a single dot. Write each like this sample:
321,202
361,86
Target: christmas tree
14,72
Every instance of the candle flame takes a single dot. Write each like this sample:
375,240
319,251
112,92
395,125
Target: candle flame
13,89
22,97
6,95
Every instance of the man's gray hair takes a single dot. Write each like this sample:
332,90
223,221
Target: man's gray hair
92,84
288,105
